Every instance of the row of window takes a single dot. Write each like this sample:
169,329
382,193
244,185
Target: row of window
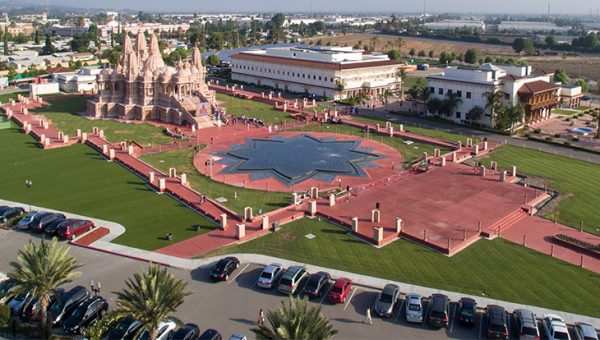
285,73
459,94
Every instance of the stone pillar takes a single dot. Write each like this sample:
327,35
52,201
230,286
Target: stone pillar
425,156
485,145
130,150
312,208
295,198
377,127
494,165
78,133
193,128
84,136
285,106
172,172
27,128
65,139
443,161
47,142
95,130
503,176
331,200
248,214
240,231
314,192
436,152
469,142
101,134
314,102
265,222
399,224
61,135
475,150
482,171
454,157
42,138
151,177
111,154
223,221
270,95
375,216
162,184
355,224
25,111
401,127
391,130
183,179
378,235
513,172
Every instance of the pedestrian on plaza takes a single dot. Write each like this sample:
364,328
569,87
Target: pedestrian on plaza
377,205
368,317
261,318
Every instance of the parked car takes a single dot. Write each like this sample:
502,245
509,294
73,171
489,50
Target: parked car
467,311
584,331
85,315
126,329
63,307
270,276
224,268
555,327
340,289
31,311
497,322
11,213
52,228
37,218
386,301
414,308
23,224
5,287
46,220
17,302
189,331
3,207
165,328
292,279
438,310
316,284
210,334
73,228
526,324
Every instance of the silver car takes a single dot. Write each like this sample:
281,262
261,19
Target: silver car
584,331
270,276
384,305
23,224
414,308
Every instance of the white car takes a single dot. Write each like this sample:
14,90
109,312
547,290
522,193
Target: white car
555,327
414,308
165,328
270,276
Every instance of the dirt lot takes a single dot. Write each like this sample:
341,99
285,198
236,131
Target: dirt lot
587,67
387,42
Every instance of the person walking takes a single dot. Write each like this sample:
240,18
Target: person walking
368,317
261,318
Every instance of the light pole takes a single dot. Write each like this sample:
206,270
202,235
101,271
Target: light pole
28,185
95,287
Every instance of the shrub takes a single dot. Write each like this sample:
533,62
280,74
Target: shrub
527,135
575,139
549,139
537,131
4,315
567,143
557,135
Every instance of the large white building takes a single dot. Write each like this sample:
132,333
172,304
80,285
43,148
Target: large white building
531,26
449,24
331,72
535,91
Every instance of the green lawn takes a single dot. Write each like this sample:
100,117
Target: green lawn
76,179
410,153
578,180
182,160
583,108
443,135
409,82
499,269
265,112
63,113
565,112
5,97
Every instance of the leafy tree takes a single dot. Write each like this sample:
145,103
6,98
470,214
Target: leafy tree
450,104
431,54
36,39
101,327
48,47
551,40
412,52
394,55
4,315
422,54
151,297
40,269
12,73
529,47
471,56
475,114
80,43
434,105
561,76
6,49
213,60
493,102
447,57
585,86
275,26
296,321
524,45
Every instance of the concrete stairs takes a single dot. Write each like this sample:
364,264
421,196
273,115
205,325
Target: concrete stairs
504,223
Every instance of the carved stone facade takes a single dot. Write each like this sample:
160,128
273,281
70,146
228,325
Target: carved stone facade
142,87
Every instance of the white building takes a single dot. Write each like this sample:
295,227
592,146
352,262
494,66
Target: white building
449,24
82,81
535,91
531,26
331,72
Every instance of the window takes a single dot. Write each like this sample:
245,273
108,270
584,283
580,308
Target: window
459,94
432,90
468,95
458,115
449,92
440,91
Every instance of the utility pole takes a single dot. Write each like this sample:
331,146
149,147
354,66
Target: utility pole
548,12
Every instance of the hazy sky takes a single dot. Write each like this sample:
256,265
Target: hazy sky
487,6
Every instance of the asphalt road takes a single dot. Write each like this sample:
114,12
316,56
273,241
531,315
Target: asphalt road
233,306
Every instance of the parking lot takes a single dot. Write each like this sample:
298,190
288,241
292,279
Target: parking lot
233,306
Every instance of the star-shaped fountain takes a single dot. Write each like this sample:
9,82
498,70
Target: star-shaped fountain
296,159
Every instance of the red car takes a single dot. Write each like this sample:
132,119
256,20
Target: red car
339,291
71,228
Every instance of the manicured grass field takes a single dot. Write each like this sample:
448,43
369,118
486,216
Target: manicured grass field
76,179
5,97
182,160
583,108
63,113
265,112
497,269
578,180
410,153
443,135
565,112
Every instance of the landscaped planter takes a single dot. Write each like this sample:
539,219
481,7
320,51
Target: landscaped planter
577,244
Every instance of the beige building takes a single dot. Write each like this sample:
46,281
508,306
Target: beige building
331,72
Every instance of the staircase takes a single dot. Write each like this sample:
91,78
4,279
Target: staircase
188,107
504,223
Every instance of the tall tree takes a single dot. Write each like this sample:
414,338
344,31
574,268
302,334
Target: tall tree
6,49
36,38
450,104
151,296
471,56
40,269
561,76
296,321
493,102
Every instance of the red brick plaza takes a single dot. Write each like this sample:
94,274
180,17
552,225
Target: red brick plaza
445,205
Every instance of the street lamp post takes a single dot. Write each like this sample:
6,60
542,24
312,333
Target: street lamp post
95,287
28,185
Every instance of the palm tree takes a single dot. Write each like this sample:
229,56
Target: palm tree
515,113
296,321
151,297
386,96
475,114
41,268
493,101
450,103
434,105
